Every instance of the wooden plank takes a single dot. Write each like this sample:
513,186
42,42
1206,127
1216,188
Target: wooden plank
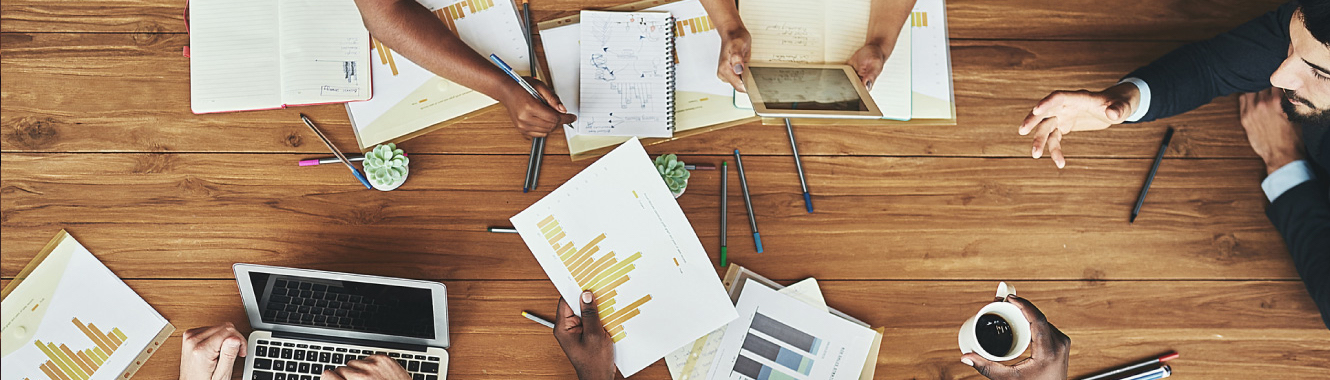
877,217
1178,20
1273,323
130,92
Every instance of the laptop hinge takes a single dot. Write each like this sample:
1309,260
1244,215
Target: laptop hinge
351,341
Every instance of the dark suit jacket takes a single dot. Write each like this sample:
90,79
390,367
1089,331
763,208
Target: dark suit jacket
1241,60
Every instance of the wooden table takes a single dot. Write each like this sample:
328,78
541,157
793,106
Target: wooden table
914,225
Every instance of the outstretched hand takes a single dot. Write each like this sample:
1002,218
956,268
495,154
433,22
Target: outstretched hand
585,340
1050,351
1063,112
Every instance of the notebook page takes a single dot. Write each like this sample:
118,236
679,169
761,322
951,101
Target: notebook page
324,52
626,72
785,30
233,63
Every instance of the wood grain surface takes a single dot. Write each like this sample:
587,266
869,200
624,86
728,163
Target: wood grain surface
914,224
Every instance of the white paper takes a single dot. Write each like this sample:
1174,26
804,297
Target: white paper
325,52
786,338
656,290
83,289
931,57
626,74
234,56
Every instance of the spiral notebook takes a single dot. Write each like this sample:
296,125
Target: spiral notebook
627,84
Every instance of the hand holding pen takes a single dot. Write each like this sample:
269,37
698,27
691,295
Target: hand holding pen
535,108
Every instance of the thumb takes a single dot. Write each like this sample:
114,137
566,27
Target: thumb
567,118
985,367
227,359
1116,112
590,315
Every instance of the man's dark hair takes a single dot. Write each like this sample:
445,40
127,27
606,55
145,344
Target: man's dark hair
1316,16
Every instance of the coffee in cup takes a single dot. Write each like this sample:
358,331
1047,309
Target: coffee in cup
998,332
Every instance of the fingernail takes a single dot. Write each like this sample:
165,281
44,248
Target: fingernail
586,297
1034,152
967,361
738,69
870,85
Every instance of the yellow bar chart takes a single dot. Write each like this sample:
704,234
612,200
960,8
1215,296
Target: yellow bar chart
601,275
692,26
67,364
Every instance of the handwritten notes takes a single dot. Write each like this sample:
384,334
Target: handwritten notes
626,74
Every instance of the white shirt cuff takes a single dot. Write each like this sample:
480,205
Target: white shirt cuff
1293,174
1144,106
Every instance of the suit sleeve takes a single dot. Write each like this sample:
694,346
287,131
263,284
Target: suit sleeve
1302,216
1240,60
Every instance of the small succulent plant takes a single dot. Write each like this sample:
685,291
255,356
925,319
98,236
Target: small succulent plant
386,164
673,171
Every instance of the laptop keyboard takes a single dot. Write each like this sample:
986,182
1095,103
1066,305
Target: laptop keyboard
316,304
280,360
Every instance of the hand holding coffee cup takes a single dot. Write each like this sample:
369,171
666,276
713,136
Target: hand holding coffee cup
1050,348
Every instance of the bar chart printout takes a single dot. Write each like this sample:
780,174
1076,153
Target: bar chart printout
779,338
66,364
615,230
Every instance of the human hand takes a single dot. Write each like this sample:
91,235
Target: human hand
585,340
531,116
209,353
1271,134
735,49
1063,112
868,61
1049,347
374,367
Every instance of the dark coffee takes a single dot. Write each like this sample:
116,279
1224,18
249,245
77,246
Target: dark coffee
995,335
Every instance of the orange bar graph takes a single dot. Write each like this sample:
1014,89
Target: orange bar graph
67,364
603,274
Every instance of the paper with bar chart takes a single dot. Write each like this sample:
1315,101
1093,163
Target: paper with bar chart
780,338
616,230
72,319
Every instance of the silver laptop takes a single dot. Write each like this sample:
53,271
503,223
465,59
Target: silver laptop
306,321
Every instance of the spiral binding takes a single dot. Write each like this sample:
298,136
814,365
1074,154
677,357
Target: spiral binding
669,73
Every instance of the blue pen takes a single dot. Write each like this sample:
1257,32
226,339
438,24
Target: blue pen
336,152
538,143
799,165
743,182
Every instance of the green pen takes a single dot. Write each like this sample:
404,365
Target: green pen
724,199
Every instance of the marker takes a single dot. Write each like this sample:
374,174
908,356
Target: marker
1134,366
332,160
748,201
537,143
502,230
808,199
538,319
1140,199
338,153
724,206
1154,374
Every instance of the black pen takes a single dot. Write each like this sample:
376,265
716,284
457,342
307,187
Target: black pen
1140,199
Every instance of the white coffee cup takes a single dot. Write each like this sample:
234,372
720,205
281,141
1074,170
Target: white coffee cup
1020,328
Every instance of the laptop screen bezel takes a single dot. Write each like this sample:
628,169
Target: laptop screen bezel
438,295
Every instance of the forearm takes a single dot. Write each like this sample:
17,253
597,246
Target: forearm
885,19
408,28
724,16
1302,217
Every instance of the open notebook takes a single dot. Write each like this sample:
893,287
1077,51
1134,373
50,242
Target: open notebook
627,84
266,54
828,31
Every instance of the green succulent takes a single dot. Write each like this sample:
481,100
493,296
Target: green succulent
673,171
386,164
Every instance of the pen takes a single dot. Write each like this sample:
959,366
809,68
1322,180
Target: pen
502,230
338,153
332,160
699,167
748,201
538,319
808,199
1154,374
1140,199
724,206
537,143
1134,366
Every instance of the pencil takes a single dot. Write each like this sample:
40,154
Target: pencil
538,319
1159,157
808,199
724,206
748,201
336,152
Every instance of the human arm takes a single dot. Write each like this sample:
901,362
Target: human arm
209,353
584,339
735,42
1050,351
411,30
885,19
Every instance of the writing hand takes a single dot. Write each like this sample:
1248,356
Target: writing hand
374,367
209,353
1063,112
529,115
585,340
1050,351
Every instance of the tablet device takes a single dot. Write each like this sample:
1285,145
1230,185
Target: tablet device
794,90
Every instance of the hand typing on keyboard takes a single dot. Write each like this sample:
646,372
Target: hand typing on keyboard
209,353
585,340
375,367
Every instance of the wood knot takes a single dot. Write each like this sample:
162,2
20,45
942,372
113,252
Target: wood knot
32,133
293,140
154,163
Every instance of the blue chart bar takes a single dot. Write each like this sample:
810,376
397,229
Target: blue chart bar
781,355
785,333
754,370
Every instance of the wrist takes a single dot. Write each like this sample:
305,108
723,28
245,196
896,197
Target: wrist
1126,92
1275,162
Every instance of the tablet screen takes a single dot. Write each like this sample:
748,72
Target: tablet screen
820,89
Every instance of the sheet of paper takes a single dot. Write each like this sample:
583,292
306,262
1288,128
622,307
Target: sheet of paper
627,73
700,98
616,230
891,91
73,316
777,336
931,57
785,30
234,56
325,52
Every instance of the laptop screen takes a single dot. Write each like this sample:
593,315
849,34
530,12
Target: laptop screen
344,305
